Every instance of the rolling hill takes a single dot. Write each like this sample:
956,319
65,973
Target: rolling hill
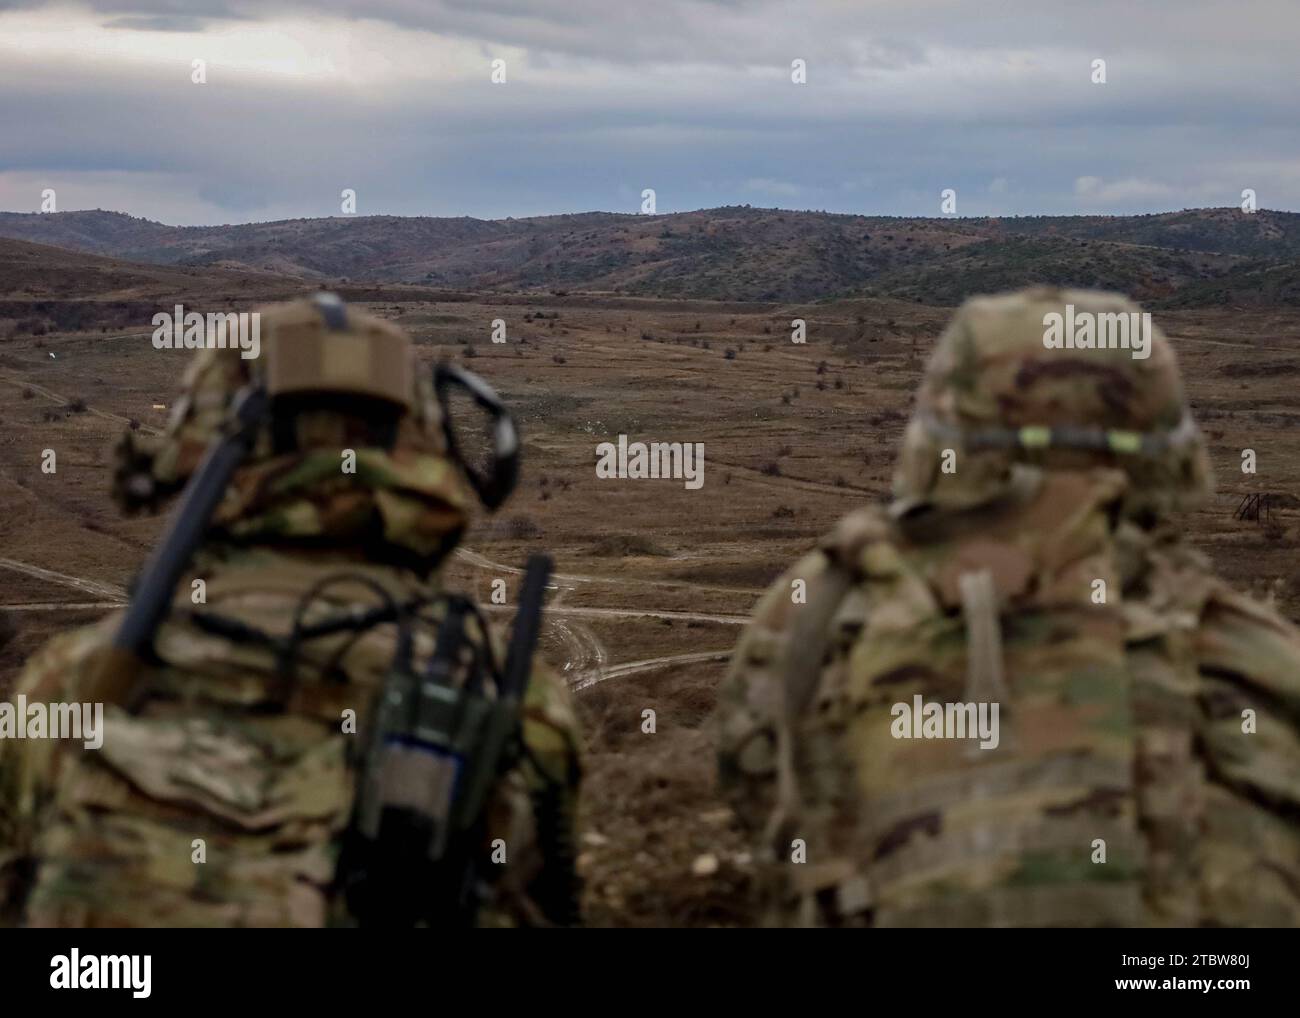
1185,259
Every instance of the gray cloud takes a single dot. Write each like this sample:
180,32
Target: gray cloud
159,23
691,98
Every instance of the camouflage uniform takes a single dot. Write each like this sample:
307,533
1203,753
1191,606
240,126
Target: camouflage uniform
223,748
1041,574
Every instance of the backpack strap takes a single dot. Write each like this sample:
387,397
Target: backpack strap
800,669
804,653
985,682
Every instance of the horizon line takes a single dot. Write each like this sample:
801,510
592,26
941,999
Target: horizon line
663,215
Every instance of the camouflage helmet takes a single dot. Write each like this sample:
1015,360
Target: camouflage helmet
320,346
340,381
1055,379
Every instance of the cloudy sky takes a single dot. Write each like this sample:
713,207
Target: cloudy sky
604,98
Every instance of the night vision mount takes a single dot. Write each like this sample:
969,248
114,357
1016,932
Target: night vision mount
494,488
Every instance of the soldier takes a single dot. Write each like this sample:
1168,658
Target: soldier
1015,696
226,786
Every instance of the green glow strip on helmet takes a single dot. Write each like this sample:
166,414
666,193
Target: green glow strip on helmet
1034,437
1129,442
1038,437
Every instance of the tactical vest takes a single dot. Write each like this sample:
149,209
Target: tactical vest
226,798
1086,810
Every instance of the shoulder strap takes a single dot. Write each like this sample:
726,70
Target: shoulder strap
979,606
801,663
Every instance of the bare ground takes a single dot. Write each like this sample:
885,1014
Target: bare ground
648,569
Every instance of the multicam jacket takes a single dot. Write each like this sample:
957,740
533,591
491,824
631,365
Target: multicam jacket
221,801
1148,765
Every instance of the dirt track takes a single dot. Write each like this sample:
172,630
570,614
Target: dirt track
65,401
586,657
586,661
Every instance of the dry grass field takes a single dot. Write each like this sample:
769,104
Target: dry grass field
654,579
